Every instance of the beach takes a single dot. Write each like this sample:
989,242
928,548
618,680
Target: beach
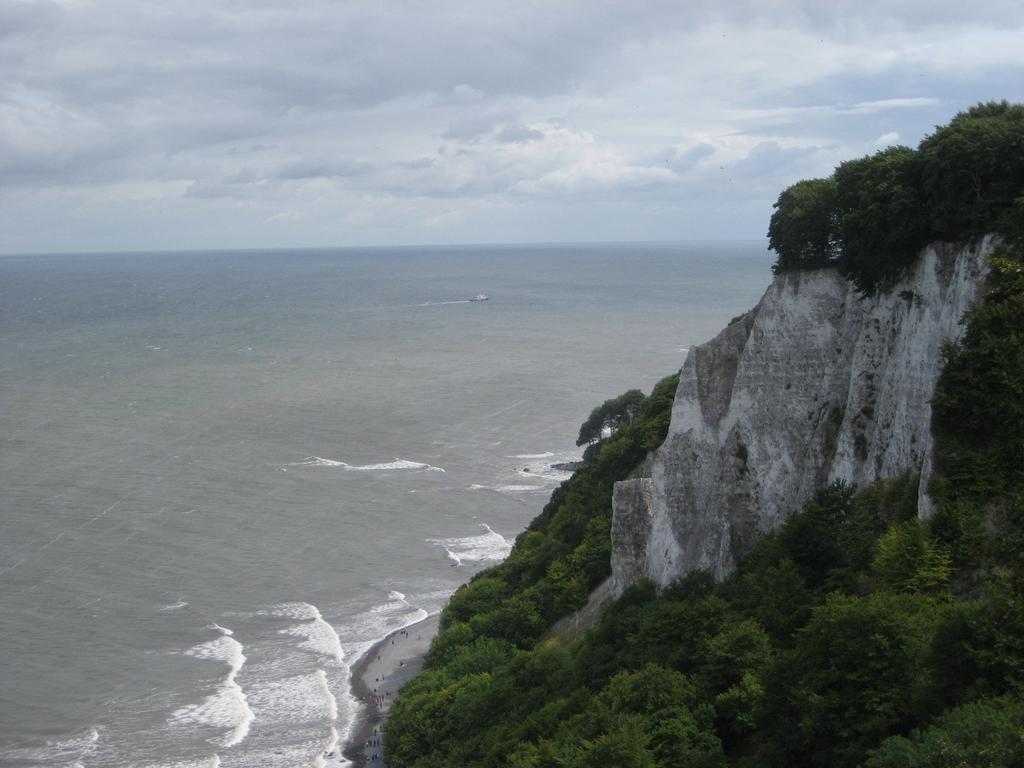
376,679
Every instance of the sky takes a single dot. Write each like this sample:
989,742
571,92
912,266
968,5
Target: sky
195,124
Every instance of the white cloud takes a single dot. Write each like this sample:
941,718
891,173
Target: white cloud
914,102
239,119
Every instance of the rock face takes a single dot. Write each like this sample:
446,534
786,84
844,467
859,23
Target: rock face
816,383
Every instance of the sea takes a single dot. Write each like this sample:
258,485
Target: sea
224,475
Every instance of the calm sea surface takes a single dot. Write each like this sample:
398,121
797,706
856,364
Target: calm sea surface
224,475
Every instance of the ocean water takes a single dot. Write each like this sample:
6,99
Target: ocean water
224,475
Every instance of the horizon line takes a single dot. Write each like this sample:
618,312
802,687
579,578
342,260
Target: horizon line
267,249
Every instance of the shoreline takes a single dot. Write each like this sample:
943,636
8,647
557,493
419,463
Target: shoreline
376,677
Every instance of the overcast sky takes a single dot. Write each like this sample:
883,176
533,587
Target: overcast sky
177,124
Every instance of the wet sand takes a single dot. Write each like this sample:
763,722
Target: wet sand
376,679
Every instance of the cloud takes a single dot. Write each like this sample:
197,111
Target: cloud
466,94
518,134
23,18
418,164
471,128
327,169
887,139
430,121
914,102
684,160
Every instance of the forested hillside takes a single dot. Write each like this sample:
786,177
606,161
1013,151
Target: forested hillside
857,633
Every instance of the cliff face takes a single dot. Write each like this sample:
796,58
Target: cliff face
814,384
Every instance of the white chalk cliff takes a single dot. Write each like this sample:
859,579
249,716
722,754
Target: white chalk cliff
816,383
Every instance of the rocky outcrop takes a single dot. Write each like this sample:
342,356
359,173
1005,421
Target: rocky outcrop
816,383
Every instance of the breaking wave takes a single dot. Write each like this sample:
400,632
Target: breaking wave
509,488
486,547
294,700
317,461
227,707
318,636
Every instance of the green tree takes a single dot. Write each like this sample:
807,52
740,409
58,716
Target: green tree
665,706
804,229
625,745
982,734
979,399
741,647
610,414
906,560
973,170
857,675
882,224
479,595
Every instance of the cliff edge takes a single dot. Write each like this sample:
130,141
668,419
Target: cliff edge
816,383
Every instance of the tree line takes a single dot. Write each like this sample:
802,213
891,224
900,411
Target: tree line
873,214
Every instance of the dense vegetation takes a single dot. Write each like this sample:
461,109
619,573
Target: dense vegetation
874,214
565,552
841,640
855,635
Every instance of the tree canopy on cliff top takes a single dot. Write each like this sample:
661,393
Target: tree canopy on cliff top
874,214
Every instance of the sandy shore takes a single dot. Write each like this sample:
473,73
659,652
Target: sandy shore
376,678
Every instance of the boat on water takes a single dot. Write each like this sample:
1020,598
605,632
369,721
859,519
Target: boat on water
480,297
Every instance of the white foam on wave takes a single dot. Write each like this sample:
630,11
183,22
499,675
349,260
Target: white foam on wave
511,488
396,604
330,751
294,610
228,706
397,621
79,742
325,689
294,700
317,461
363,630
174,606
219,628
519,488
415,617
381,620
319,636
486,547
213,761
68,751
224,648
541,467
545,455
